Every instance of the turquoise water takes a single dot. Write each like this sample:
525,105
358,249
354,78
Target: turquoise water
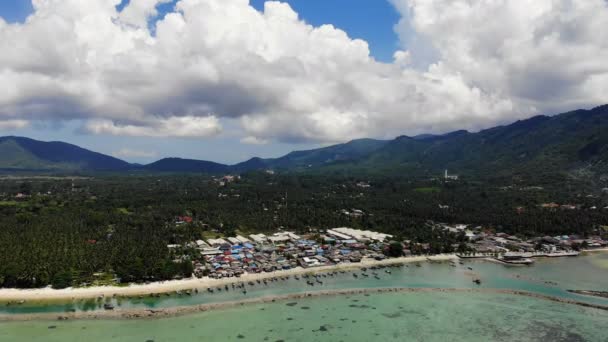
377,317
388,316
549,277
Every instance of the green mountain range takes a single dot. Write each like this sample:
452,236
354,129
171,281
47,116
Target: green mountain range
18,153
574,142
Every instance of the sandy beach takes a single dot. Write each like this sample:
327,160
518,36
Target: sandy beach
16,295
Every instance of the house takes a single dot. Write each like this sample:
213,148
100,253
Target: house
242,239
216,242
234,241
210,251
283,237
310,262
338,235
258,238
202,244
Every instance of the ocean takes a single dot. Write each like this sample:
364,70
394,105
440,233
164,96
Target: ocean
395,316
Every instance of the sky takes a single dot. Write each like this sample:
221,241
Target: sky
226,80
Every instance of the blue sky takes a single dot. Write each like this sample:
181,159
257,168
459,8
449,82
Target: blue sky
371,20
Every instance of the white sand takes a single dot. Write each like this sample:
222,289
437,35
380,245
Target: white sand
191,283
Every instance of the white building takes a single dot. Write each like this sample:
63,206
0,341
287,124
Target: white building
447,176
338,235
234,241
258,238
283,237
242,239
202,244
216,242
362,235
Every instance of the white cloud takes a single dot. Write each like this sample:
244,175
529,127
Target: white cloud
465,65
187,127
250,140
137,12
130,153
543,55
6,125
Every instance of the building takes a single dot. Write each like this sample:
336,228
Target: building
202,244
258,238
234,241
283,237
362,235
216,242
447,176
338,235
243,239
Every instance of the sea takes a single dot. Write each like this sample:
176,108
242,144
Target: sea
387,316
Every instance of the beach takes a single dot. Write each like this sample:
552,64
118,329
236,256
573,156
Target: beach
17,295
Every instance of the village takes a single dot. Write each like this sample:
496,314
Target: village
284,250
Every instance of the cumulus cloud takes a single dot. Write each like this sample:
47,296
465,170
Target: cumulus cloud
130,153
543,55
464,65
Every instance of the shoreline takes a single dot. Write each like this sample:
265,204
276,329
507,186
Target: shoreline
140,314
49,294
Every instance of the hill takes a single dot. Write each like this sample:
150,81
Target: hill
178,165
573,142
335,154
18,153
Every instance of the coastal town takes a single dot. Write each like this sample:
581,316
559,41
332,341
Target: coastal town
257,253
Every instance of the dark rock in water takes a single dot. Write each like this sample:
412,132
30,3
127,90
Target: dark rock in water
289,319
392,315
323,328
292,304
305,308
52,327
239,336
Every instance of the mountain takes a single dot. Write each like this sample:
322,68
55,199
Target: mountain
575,142
17,153
341,153
186,165
572,141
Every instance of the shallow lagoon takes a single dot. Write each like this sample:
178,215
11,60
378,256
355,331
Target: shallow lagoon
375,317
394,316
